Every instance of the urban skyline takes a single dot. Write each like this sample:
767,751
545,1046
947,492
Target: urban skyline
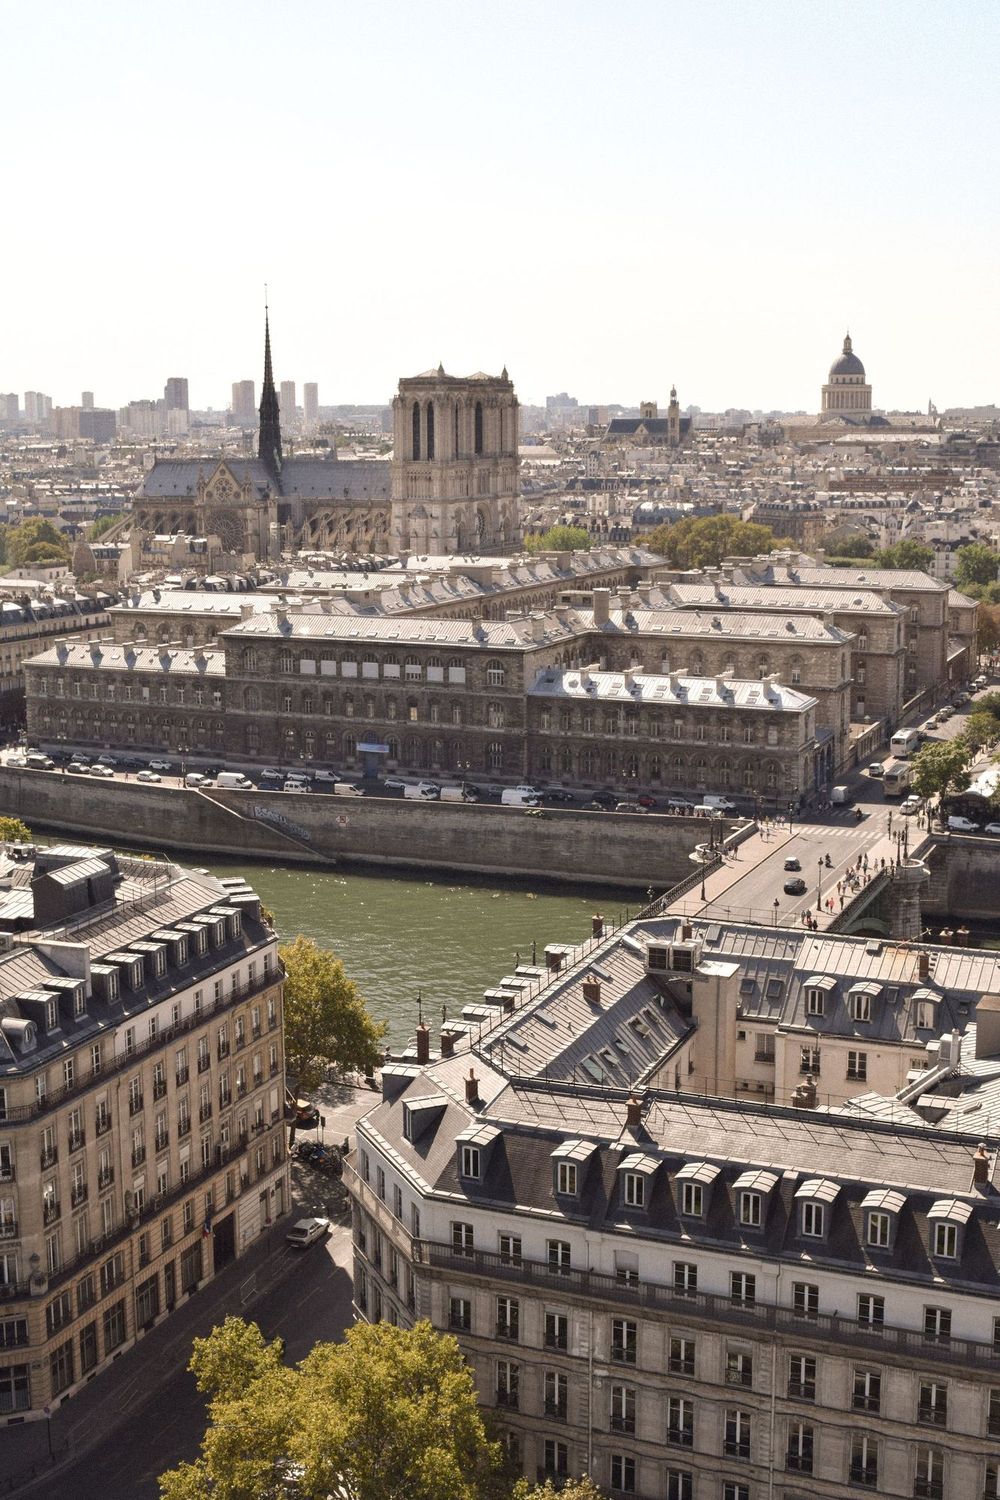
742,186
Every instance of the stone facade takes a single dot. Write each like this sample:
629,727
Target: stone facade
455,465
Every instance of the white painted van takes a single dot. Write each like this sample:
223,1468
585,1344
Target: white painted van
517,796
421,793
457,794
235,781
347,789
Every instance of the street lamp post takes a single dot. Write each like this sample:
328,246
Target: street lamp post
819,886
777,903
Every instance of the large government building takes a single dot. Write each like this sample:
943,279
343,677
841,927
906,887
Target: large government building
847,394
141,1104
707,1298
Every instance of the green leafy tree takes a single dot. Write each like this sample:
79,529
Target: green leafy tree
982,729
976,563
389,1414
326,1020
846,544
705,541
576,1489
559,539
912,556
37,543
988,628
13,831
100,526
941,768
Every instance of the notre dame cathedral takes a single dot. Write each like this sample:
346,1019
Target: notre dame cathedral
452,484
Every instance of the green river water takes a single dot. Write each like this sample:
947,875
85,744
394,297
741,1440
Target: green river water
397,935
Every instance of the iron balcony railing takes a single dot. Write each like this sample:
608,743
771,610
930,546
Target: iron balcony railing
883,1339
16,1114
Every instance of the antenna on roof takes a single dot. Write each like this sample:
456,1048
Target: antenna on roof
420,1009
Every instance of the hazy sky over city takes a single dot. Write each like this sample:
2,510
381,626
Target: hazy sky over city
607,197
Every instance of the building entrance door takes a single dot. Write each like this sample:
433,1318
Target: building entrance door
224,1241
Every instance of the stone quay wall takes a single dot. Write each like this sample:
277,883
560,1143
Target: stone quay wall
631,851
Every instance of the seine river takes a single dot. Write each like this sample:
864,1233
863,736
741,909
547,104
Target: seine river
397,935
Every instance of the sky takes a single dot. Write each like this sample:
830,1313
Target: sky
606,197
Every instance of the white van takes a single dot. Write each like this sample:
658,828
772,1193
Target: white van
724,804
347,789
518,796
235,781
196,779
421,792
457,794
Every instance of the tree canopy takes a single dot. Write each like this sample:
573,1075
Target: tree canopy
100,526
941,768
907,554
976,563
389,1414
846,544
704,542
559,539
327,1022
576,1489
988,627
37,543
13,831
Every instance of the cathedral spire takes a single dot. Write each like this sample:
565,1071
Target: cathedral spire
269,432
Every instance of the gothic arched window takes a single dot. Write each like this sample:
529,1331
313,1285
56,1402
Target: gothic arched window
430,429
479,428
416,429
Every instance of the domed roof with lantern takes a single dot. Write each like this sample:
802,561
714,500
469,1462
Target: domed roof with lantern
848,363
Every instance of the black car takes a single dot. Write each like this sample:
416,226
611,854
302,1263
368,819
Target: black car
795,887
604,799
558,794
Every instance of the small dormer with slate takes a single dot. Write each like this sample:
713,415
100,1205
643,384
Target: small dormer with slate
72,995
814,1202
104,982
422,1115
635,1181
474,1146
818,992
752,1199
694,1186
861,1002
947,1220
881,1210
177,944
924,1010
569,1163
130,968
41,1007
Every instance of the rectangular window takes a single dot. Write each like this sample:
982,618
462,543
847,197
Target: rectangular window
680,1421
556,1330
867,1394
508,1318
559,1256
622,1473
510,1249
692,1199
470,1162
685,1277
624,1340
739,1367
556,1390
462,1238
508,1383
815,1002
871,1311
932,1404
805,1299
566,1178
946,1241
623,1408
799,1456
681,1356
635,1190
937,1324
993,1414
556,1458
857,1065
750,1210
802,1377
879,1229
61,1367
114,1327
928,1483
680,1484
743,1288
460,1314
736,1443
813,1219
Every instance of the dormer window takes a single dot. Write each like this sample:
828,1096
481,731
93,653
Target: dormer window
635,1190
566,1178
948,1219
51,1011
815,1002
815,1199
636,1174
881,1211
879,1230
695,1179
924,1019
692,1200
751,1210
752,1190
569,1161
470,1162
860,1005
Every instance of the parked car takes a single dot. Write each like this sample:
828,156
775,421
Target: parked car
876,768
195,779
912,804
606,799
78,759
393,783
962,825
679,805
76,769
791,863
629,807
326,778
161,765
105,771
558,794
299,787
36,761
795,887
981,681
992,828
306,1232
594,807
645,800
17,761
148,776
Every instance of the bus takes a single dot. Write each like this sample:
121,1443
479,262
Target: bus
897,778
904,742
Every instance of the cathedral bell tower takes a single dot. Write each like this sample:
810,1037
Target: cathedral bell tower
455,465
269,432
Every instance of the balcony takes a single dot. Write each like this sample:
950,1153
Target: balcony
508,1331
802,1390
507,1399
222,1050
928,1489
623,1353
204,1063
555,1409
51,1210
681,1437
134,1103
162,1141
8,1229
734,1448
77,1141
78,1194
102,1124
621,1422
49,1157
159,1088
183,1127
800,1463
105,1177
181,1076
865,1475
204,1112
739,1377
932,1416
707,1308
7,1173
138,1155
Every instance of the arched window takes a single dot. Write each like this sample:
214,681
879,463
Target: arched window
286,703
479,428
494,674
565,762
416,429
307,703
309,744
494,756
350,746
412,669
251,700
286,662
430,429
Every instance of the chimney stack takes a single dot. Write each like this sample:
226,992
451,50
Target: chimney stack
447,1044
923,965
601,605
472,1088
633,1115
597,925
423,1043
592,990
980,1166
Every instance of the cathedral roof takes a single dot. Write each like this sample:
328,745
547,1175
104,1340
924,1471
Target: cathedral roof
307,478
848,363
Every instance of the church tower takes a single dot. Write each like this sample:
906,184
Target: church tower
269,432
673,419
455,465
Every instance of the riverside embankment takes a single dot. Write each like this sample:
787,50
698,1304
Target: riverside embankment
618,850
